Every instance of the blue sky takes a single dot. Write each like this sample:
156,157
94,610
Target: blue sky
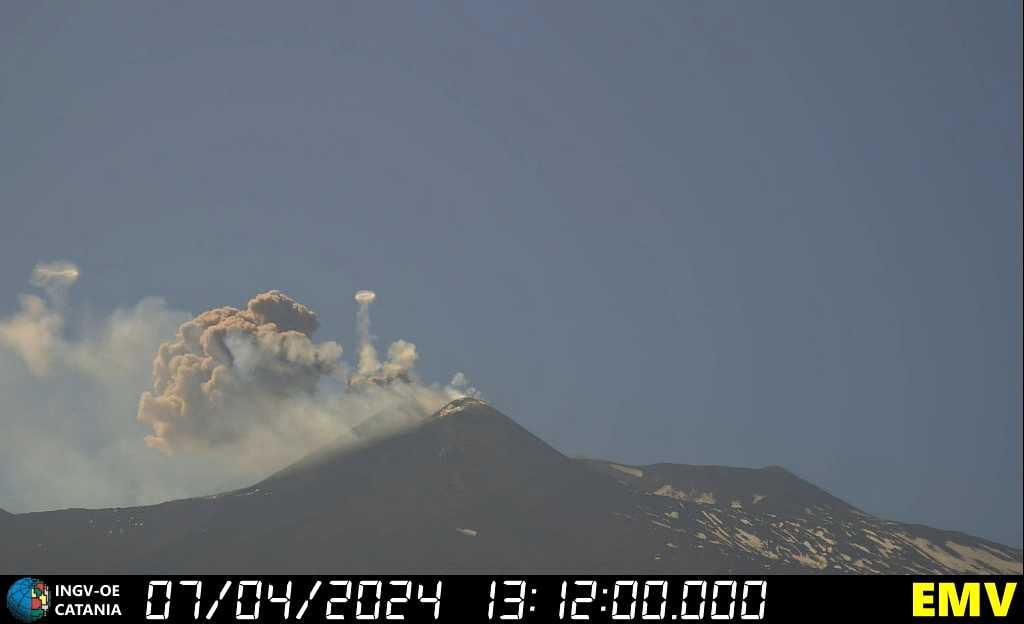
728,233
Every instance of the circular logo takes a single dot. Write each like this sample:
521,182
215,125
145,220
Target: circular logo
28,599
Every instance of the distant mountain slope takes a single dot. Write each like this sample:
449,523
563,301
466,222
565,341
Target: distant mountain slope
773,513
472,491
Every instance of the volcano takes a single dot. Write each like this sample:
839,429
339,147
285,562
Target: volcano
470,491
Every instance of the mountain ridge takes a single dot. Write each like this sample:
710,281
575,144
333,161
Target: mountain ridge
470,490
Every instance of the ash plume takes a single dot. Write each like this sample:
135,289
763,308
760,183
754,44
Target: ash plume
228,370
233,394
232,377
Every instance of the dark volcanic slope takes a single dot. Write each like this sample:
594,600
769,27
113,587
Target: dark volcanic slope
470,490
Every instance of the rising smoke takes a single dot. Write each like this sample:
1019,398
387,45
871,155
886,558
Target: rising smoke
55,278
368,362
235,394
402,354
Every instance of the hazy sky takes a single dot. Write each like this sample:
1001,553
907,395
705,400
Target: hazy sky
742,234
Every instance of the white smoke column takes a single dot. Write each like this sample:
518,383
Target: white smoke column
402,358
368,360
34,332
